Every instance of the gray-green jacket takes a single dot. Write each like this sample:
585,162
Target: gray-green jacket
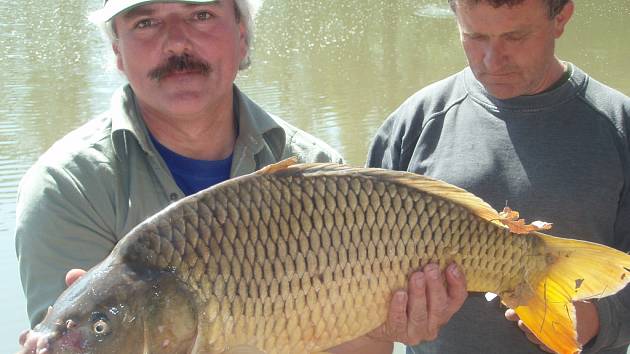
99,181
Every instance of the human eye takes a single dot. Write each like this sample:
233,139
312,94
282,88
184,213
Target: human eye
474,36
144,23
203,15
516,36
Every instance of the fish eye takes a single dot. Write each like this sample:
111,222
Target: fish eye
100,324
100,328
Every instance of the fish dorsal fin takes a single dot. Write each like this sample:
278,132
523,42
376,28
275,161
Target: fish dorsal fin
412,180
445,190
278,166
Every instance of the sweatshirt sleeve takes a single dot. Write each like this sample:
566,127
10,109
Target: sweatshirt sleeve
58,228
384,150
614,311
393,144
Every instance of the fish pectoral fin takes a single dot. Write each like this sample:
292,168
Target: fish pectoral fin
244,349
278,166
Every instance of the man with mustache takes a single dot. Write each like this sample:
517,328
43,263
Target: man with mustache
180,125
520,126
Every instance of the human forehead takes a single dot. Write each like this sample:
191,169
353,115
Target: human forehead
484,18
494,3
157,7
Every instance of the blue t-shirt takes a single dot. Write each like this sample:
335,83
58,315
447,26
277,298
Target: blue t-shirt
193,175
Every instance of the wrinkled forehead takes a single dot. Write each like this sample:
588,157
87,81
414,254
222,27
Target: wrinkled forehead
112,8
151,9
493,3
553,6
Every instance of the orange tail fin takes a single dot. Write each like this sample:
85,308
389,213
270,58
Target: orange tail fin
579,270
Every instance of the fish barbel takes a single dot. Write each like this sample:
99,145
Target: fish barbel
297,258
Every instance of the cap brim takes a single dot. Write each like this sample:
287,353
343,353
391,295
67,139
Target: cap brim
115,7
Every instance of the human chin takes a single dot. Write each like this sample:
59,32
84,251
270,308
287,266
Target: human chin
185,101
171,100
501,91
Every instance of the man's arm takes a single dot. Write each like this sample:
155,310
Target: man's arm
384,151
614,311
415,315
57,228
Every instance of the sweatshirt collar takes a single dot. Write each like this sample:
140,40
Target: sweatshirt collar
543,101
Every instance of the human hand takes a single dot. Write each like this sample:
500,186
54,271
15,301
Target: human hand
416,315
28,339
586,318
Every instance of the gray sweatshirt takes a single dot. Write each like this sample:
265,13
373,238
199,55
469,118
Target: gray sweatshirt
561,156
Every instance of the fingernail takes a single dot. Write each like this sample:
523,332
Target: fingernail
400,297
432,271
454,270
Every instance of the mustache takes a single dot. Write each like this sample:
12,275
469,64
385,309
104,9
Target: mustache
179,63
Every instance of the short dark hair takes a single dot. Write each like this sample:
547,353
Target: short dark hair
555,6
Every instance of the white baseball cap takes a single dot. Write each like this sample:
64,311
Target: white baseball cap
112,8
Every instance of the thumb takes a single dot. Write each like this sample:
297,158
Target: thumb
73,275
511,315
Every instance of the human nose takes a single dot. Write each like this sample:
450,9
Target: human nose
177,40
494,55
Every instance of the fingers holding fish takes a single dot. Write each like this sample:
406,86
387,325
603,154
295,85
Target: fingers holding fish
397,324
24,336
437,301
511,315
444,298
28,342
73,275
28,338
587,324
426,300
416,315
457,291
33,342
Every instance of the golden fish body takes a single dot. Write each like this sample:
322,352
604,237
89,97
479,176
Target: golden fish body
297,259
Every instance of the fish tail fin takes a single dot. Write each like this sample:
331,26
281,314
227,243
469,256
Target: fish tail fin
577,270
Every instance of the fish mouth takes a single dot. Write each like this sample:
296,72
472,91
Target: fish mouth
61,340
69,343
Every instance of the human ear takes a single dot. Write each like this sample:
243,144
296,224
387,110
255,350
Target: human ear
119,61
563,18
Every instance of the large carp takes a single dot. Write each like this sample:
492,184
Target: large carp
299,258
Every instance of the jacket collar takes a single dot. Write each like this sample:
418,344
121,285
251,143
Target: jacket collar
257,130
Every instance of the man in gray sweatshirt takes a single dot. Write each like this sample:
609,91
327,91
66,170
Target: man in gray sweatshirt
523,127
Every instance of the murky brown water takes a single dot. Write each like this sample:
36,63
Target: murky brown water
335,69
